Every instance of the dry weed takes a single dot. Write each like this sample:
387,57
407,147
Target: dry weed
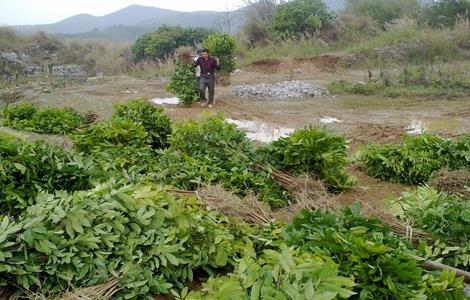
249,209
99,292
185,54
452,182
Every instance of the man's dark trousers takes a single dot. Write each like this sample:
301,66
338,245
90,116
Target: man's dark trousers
207,80
202,96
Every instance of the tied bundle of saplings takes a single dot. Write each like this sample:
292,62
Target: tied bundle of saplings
416,159
154,120
138,234
383,266
212,151
27,168
49,120
183,82
444,215
223,47
315,151
129,140
116,145
330,256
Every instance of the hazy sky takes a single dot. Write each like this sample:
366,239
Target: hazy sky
20,12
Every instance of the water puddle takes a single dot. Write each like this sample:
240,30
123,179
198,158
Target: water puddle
416,127
260,131
330,120
160,101
130,92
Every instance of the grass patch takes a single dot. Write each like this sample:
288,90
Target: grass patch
413,81
412,44
150,69
289,48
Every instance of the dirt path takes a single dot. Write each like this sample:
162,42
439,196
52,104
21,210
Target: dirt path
372,191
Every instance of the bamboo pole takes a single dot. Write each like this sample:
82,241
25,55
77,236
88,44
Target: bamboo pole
436,266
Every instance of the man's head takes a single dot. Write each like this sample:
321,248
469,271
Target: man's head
205,53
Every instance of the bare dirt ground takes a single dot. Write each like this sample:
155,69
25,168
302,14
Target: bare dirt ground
362,119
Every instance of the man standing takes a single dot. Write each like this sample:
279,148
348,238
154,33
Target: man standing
208,65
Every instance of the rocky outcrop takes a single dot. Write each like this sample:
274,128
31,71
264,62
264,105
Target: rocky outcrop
23,63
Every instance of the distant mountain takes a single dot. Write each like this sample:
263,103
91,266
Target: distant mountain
134,15
129,23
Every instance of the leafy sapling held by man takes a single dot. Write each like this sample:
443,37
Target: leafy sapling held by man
183,82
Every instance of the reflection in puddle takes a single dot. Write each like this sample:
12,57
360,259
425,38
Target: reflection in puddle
330,120
260,131
416,126
173,101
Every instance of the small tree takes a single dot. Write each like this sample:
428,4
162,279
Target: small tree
162,43
223,47
259,15
299,17
255,32
183,81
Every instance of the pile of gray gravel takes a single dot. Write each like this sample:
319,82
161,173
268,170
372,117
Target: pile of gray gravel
280,90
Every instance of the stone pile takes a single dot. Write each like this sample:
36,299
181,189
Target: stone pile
281,90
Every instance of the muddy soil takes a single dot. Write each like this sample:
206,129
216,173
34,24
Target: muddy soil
361,119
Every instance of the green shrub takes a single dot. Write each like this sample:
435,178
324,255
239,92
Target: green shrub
416,159
223,47
315,151
183,84
27,168
47,120
299,17
152,240
116,145
154,120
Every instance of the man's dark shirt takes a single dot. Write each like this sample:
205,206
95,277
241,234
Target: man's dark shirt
207,66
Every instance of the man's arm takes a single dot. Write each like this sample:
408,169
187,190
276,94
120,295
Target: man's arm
217,63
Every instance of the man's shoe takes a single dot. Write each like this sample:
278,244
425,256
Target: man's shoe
203,104
210,105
